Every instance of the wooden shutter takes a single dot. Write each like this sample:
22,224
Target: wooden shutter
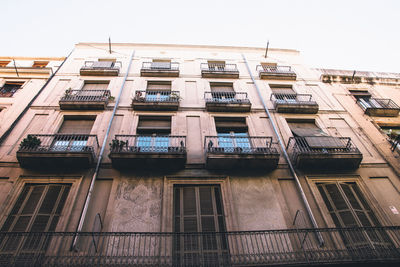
96,85
102,64
38,208
221,87
346,204
158,86
282,89
73,126
230,124
305,129
154,124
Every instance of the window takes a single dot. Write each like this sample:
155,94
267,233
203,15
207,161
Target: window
4,63
95,85
346,204
199,209
393,132
73,134
348,207
161,64
216,65
9,88
222,92
38,208
232,134
158,91
104,64
269,66
283,93
153,133
364,98
40,64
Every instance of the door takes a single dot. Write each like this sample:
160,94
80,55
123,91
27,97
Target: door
198,216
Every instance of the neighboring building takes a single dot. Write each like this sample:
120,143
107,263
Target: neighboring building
21,78
192,172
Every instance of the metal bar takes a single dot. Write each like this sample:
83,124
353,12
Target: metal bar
292,170
90,190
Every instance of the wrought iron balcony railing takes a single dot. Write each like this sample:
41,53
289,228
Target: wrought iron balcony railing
321,144
92,65
151,96
86,96
226,97
167,144
241,248
292,99
173,66
219,67
60,143
274,69
225,144
377,103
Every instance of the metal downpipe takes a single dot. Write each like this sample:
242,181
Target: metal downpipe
96,171
283,148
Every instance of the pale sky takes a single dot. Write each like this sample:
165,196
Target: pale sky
352,34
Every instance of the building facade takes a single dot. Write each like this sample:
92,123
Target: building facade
202,155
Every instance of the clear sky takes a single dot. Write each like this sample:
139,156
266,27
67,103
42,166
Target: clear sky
346,34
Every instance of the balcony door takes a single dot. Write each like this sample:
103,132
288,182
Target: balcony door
222,92
232,134
153,134
73,135
198,210
37,209
158,91
348,207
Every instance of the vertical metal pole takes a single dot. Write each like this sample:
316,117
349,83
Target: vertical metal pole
109,44
96,171
266,50
15,67
291,168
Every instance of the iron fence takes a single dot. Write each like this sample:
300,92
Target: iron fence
377,103
217,67
160,66
226,143
320,145
226,97
59,143
274,69
86,96
157,96
102,65
244,248
148,144
292,99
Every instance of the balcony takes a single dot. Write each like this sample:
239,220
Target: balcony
160,69
227,101
148,151
240,152
156,100
361,246
101,68
294,103
85,100
219,70
379,107
276,72
58,151
324,152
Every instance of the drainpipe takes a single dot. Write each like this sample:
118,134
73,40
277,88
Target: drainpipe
96,171
15,122
285,154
